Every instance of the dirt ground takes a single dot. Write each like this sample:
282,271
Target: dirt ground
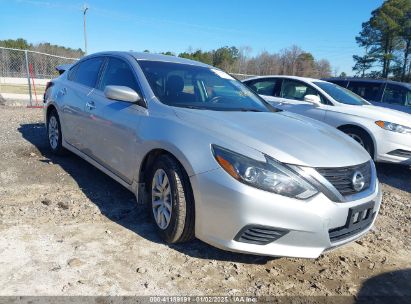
68,229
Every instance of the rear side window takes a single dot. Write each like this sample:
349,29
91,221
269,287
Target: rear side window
395,94
263,86
86,72
370,91
119,73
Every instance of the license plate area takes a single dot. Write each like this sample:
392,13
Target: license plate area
360,215
359,218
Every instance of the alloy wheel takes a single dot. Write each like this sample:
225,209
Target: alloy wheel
53,132
161,199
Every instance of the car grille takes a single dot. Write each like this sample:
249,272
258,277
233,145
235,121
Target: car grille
341,178
259,235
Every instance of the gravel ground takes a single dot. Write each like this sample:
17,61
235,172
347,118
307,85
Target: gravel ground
68,229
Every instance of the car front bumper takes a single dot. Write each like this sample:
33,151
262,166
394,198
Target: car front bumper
391,142
225,206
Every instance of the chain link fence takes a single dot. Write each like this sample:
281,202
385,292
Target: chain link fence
24,74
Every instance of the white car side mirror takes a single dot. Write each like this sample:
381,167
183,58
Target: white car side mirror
314,99
121,93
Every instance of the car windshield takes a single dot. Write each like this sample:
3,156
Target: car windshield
340,94
196,87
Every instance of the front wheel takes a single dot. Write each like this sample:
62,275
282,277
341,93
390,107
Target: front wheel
362,138
172,202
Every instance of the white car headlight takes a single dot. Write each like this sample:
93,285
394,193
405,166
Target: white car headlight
270,176
393,127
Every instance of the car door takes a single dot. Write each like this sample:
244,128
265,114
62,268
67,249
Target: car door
72,97
396,97
113,137
267,88
291,98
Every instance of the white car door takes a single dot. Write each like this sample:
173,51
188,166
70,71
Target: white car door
291,98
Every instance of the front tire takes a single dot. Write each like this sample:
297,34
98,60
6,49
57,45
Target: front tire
54,134
171,200
362,138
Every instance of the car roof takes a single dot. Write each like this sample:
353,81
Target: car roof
370,80
140,56
307,79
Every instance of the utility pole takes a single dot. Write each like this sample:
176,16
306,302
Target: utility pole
85,8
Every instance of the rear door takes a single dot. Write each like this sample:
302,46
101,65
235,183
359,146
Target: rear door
267,88
396,97
114,138
73,95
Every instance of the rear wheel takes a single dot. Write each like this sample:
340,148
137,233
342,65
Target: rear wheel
54,134
172,202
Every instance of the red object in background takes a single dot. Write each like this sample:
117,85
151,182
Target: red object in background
34,87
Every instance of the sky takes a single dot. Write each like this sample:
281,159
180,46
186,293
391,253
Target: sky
326,28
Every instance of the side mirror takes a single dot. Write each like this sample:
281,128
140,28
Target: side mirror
121,93
314,99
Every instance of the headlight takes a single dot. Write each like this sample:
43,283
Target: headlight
393,127
270,176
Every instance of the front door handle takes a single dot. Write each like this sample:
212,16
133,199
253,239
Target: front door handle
90,105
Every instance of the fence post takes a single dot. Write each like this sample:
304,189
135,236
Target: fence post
28,75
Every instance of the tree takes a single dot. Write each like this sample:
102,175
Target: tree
323,68
405,36
305,64
168,53
381,35
19,43
363,64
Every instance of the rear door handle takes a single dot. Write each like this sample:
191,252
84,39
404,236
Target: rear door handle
90,105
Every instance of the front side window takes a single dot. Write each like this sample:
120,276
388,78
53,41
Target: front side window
367,90
119,73
263,86
196,87
86,73
395,94
297,90
340,94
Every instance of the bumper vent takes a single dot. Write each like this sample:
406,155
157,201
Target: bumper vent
401,153
342,178
259,235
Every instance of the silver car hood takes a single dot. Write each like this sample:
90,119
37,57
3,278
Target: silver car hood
287,137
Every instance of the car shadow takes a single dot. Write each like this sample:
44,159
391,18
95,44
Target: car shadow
395,175
389,287
119,204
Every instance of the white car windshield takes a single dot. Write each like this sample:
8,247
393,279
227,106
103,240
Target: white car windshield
196,87
340,94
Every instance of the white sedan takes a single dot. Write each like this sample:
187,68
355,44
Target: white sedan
384,133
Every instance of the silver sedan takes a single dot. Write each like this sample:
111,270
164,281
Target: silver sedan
212,159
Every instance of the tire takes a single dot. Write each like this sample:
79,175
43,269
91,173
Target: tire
171,200
362,138
54,134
